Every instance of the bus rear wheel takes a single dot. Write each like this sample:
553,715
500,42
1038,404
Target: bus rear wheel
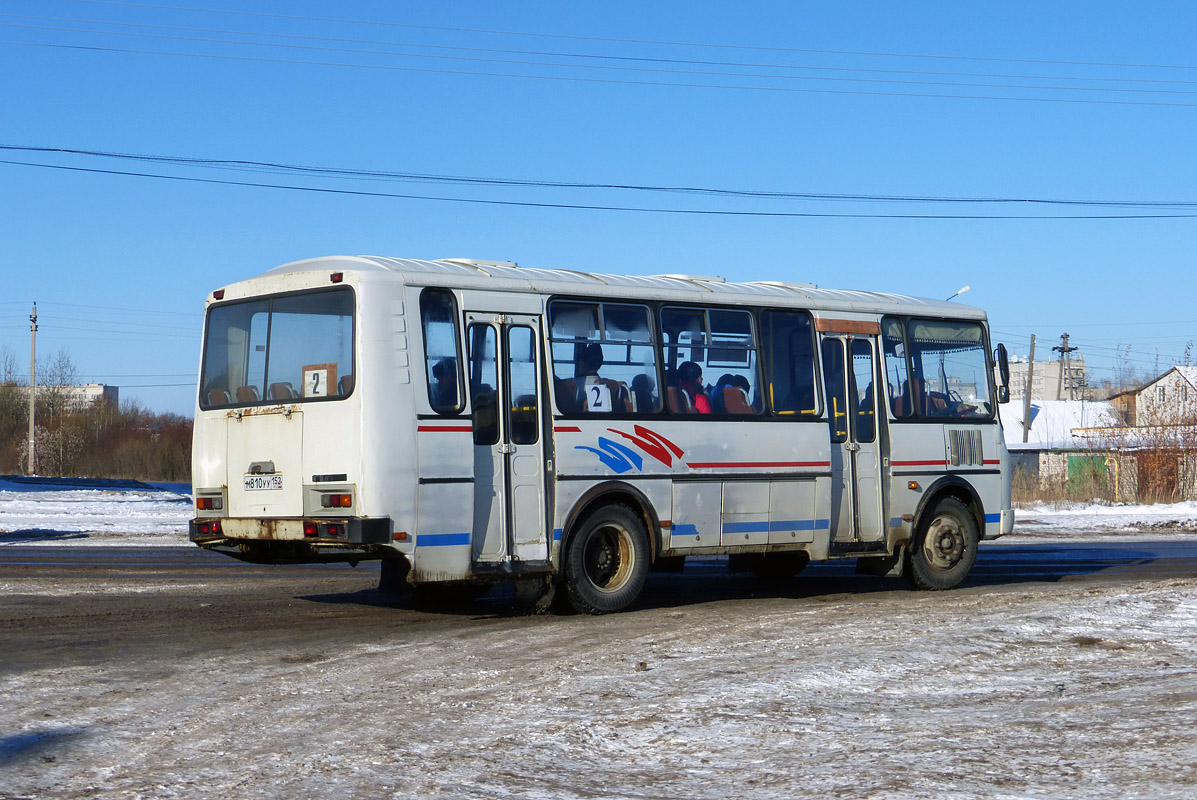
945,548
606,561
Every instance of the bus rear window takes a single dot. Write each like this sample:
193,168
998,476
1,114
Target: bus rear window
277,350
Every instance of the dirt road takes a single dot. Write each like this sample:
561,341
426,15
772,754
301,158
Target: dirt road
1058,671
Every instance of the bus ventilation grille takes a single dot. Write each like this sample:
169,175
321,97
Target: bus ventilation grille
966,448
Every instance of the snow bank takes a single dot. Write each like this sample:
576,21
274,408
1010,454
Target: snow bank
1036,518
79,512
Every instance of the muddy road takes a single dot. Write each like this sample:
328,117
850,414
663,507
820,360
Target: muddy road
1059,670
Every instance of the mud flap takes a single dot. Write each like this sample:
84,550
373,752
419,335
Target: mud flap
885,566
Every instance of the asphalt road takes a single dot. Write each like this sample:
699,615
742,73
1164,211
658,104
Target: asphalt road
62,606
1057,670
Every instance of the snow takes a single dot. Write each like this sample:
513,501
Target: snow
1050,691
1057,689
52,513
1070,520
1057,424
56,515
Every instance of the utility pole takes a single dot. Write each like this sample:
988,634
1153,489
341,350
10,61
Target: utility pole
31,467
1026,400
1065,361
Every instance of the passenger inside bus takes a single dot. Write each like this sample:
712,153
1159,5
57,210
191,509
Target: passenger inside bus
444,387
598,395
689,381
643,399
730,395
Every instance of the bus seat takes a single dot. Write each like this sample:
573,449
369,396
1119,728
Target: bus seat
735,401
568,399
219,397
281,391
247,394
679,403
345,385
621,398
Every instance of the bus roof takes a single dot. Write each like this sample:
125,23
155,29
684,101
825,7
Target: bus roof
507,276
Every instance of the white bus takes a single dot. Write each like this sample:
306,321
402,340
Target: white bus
469,421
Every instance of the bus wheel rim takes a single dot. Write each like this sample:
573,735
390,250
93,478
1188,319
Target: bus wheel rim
609,558
943,544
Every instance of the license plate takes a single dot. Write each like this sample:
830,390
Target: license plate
258,483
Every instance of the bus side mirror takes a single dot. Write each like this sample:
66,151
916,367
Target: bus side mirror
1003,362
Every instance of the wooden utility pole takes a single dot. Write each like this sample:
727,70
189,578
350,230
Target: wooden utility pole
31,467
1065,362
1026,400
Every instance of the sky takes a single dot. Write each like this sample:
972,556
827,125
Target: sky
847,145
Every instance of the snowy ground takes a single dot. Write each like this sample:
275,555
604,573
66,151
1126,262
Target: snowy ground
158,514
1082,688
50,513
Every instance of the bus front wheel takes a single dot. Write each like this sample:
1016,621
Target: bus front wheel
606,561
945,548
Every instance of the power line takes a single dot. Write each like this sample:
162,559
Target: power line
576,66
599,56
578,206
610,81
275,167
654,42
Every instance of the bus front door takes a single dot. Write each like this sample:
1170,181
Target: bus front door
849,379
509,489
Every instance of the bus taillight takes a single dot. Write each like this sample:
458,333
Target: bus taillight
310,529
336,500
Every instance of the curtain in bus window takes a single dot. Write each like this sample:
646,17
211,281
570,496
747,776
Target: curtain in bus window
484,383
438,316
711,361
837,389
604,360
787,338
951,376
572,328
862,381
897,377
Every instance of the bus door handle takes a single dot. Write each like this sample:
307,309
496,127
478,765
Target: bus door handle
506,448
852,447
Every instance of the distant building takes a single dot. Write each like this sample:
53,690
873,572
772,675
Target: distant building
81,398
1046,380
1170,399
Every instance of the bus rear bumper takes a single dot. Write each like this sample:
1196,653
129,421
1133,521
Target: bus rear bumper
294,541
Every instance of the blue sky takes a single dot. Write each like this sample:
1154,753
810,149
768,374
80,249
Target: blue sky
120,265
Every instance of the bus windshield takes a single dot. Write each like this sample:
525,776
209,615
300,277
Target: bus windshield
280,349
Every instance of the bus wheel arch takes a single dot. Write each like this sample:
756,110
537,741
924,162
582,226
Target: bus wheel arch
614,493
944,547
954,487
607,549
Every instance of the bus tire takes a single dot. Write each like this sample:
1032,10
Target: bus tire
392,578
778,569
945,547
607,561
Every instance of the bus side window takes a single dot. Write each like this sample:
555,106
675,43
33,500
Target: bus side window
484,378
897,375
604,358
837,389
438,317
788,343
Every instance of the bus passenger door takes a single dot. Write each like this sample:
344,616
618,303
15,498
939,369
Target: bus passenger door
849,379
509,499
